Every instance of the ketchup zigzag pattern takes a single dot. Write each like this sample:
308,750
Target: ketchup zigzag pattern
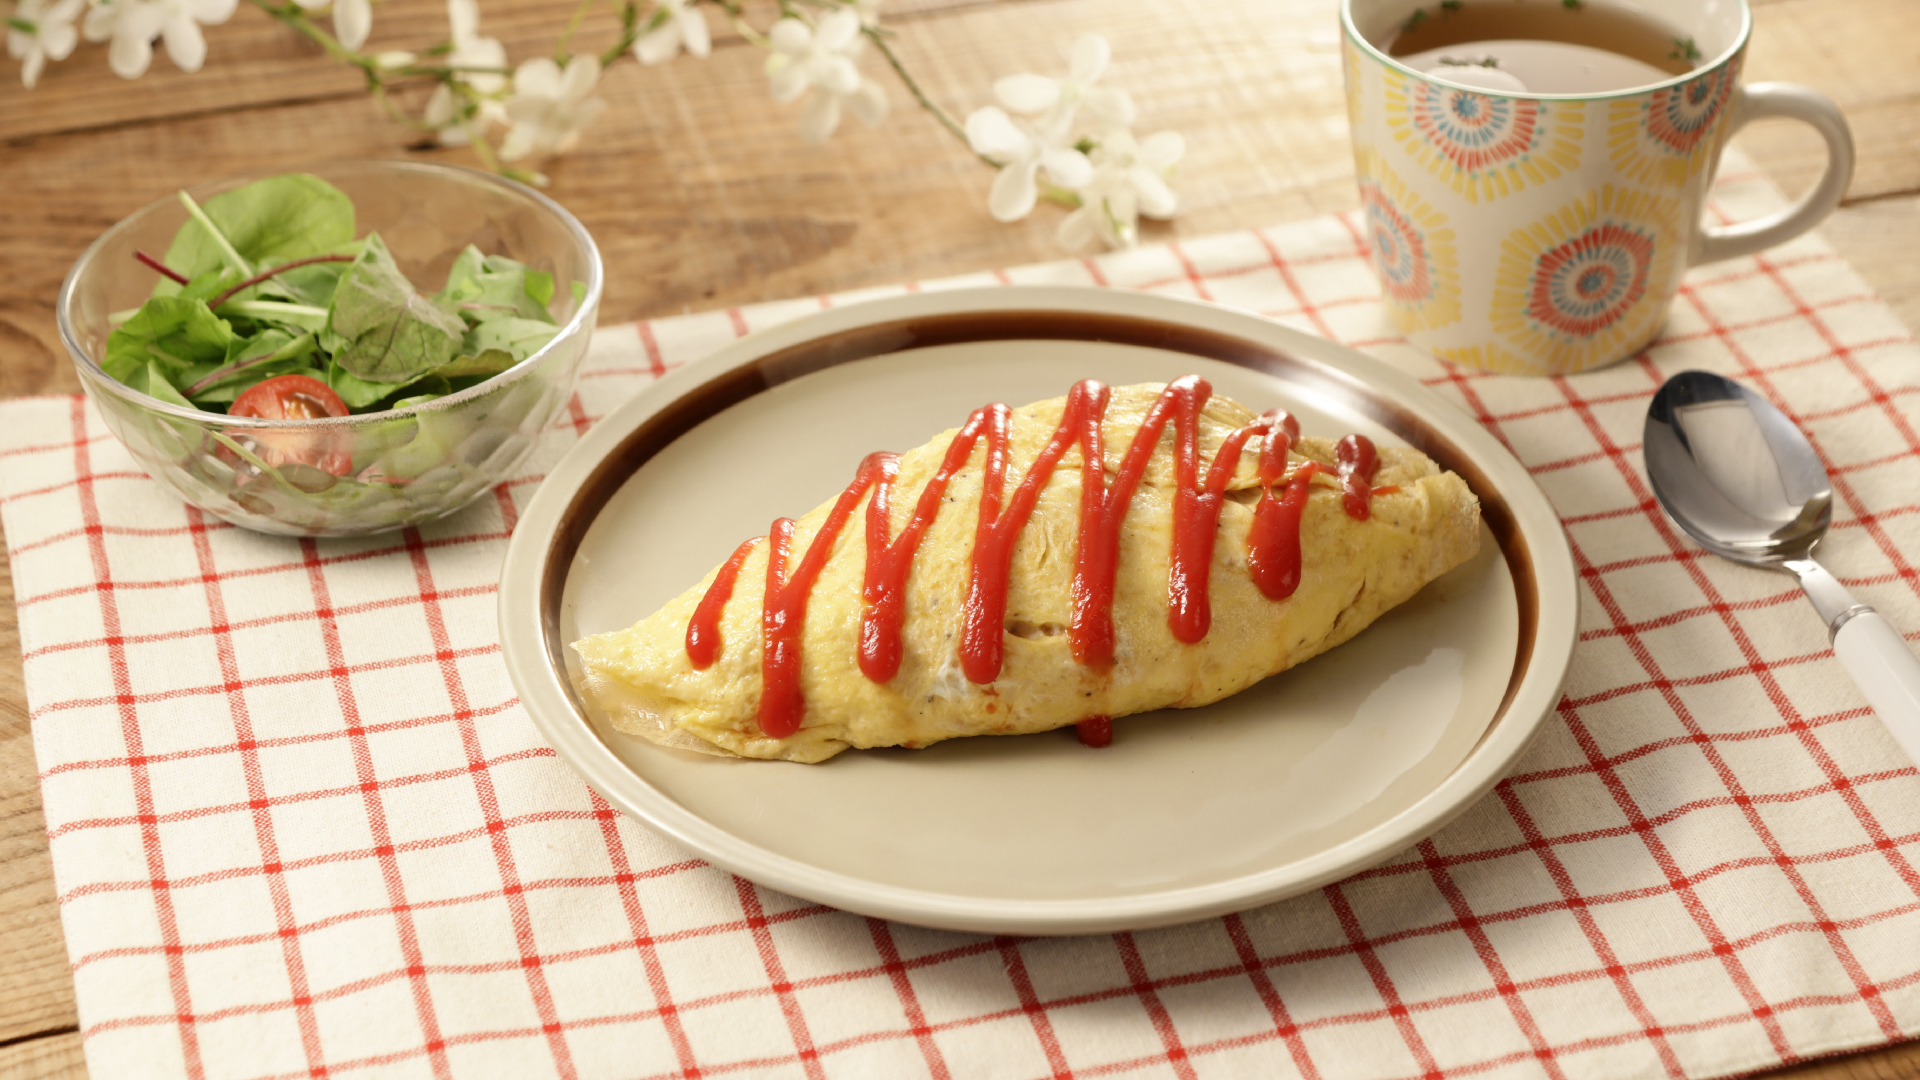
1273,555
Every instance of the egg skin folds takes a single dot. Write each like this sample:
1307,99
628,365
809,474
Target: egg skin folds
642,680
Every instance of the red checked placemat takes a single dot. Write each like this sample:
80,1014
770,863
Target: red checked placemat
301,827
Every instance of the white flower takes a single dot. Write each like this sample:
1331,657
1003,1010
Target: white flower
133,24
821,58
869,12
352,19
1129,180
1057,101
549,107
470,50
1021,152
51,36
452,117
681,24
1022,148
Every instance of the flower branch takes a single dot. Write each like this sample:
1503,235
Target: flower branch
1066,140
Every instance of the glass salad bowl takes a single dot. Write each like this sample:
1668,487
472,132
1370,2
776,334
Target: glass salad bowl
366,472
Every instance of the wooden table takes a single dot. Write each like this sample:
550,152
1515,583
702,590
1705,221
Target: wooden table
701,194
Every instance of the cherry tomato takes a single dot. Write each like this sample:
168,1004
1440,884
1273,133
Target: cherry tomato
289,397
296,397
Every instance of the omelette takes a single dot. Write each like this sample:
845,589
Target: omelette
1111,552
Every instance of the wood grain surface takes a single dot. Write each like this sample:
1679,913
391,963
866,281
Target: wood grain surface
701,195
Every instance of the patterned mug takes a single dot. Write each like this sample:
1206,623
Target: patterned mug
1545,234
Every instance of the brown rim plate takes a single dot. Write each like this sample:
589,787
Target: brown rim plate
1310,776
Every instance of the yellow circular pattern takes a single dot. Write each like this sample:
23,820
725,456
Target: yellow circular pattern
1590,282
1484,146
1666,138
1411,247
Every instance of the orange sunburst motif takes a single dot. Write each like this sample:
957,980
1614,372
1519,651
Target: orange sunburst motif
1668,137
1412,249
1590,281
1485,145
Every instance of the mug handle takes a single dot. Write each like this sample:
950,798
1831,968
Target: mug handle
1761,101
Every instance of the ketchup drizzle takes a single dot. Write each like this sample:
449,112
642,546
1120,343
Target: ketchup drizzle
703,630
1273,541
784,610
1196,510
1095,731
1358,462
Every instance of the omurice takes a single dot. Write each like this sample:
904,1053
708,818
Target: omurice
1111,552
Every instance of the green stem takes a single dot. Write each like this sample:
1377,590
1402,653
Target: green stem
927,103
560,54
227,251
395,113
299,346
274,309
631,31
265,274
166,357
439,71
1060,195
482,149
246,455
740,25
294,16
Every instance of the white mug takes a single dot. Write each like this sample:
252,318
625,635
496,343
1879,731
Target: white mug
1546,234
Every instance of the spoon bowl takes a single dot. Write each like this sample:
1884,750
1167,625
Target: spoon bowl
1735,475
1733,472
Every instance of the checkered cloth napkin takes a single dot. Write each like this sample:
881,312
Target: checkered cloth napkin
301,827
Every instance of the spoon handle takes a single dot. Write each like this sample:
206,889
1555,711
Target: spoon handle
1871,650
1885,670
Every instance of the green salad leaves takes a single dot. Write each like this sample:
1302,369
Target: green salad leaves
270,279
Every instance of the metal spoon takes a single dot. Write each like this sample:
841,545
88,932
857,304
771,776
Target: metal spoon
1742,481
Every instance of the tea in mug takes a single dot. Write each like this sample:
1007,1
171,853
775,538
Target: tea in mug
1542,46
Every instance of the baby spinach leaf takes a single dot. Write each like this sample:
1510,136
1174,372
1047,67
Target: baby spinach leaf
151,380
539,283
395,335
269,221
428,385
174,331
540,287
519,338
312,284
265,342
456,374
488,364
489,287
303,317
270,352
466,265
224,394
358,393
210,284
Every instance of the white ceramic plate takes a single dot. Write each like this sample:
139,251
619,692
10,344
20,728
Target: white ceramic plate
1306,778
